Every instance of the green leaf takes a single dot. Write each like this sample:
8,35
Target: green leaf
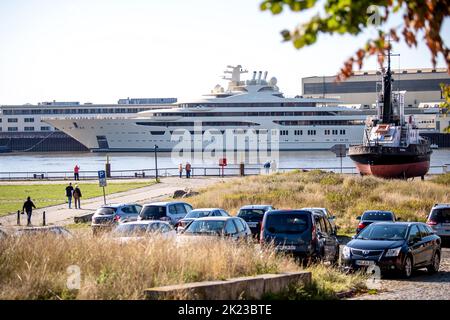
276,8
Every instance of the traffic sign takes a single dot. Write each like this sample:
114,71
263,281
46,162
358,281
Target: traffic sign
340,150
102,178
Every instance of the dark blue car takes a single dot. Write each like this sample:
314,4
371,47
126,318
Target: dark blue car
301,233
371,216
394,246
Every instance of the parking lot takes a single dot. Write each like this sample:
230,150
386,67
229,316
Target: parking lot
421,285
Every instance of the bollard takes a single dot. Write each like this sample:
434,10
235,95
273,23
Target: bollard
43,218
18,217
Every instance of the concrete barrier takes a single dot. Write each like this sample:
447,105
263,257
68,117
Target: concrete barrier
83,218
250,288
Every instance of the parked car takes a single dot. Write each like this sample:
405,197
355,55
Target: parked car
399,246
136,230
200,213
439,220
327,214
372,216
253,215
302,233
58,230
108,216
171,212
233,227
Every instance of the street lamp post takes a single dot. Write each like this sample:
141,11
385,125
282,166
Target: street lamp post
156,162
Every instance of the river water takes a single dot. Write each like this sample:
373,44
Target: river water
51,162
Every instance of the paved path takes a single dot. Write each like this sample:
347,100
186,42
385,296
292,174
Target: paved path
61,215
421,286
83,181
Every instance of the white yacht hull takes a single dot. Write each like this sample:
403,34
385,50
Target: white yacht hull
123,135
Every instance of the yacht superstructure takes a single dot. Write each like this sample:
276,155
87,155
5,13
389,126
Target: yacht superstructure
253,111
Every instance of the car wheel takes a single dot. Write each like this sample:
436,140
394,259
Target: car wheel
435,262
407,267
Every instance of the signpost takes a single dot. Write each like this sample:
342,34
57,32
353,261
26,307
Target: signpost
156,163
223,163
102,182
340,150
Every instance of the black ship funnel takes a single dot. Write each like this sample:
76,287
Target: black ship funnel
387,93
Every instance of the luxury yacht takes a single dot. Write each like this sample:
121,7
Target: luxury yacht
250,114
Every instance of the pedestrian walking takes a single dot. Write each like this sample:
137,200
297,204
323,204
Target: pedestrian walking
188,170
267,166
76,172
28,208
180,170
69,194
77,197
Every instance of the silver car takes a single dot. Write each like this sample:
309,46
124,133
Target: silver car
331,218
136,230
233,227
108,216
172,211
439,220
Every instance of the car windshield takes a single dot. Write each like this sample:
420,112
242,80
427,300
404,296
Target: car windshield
197,214
105,211
244,213
378,216
153,212
130,230
383,232
287,223
205,227
441,215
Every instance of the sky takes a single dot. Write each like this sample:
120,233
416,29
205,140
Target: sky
102,50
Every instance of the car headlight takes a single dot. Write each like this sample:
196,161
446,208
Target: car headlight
346,252
393,252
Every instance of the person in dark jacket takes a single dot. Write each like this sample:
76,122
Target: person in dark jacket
188,170
28,208
76,197
69,194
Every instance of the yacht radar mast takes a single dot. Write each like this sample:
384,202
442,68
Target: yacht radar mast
235,79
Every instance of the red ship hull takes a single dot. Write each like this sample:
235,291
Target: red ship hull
406,170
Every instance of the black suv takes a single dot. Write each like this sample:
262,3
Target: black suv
253,215
394,246
301,233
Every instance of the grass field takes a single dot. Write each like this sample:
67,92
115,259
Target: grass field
37,268
346,196
43,195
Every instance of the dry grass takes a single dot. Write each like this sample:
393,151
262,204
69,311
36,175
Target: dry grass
326,283
346,196
37,268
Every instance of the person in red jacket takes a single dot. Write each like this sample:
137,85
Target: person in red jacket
188,170
76,174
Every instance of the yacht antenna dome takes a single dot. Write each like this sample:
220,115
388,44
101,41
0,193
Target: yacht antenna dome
273,81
